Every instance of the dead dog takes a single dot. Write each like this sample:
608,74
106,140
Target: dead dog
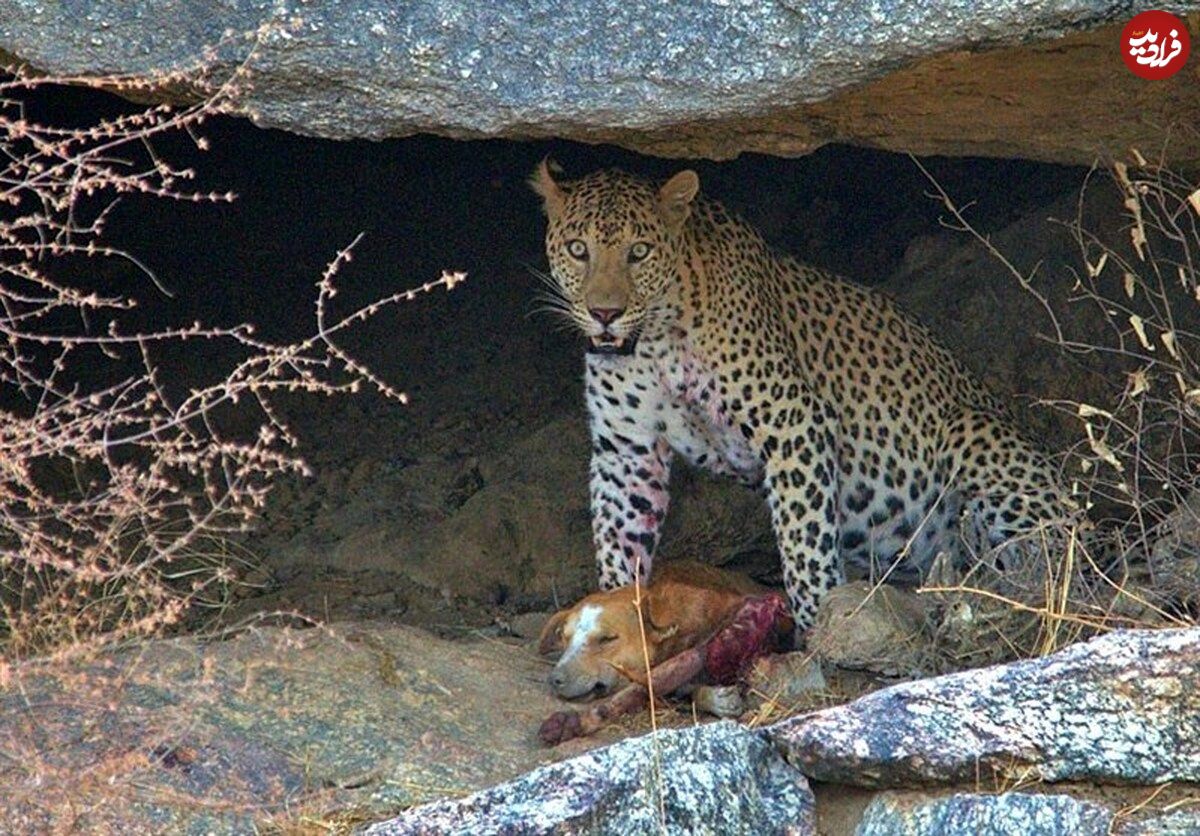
604,644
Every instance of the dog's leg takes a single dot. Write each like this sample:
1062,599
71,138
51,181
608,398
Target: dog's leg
667,677
756,629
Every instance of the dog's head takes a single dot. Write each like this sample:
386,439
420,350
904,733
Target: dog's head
601,641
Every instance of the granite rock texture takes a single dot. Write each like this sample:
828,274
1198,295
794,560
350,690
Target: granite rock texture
971,814
1122,708
185,736
712,779
713,79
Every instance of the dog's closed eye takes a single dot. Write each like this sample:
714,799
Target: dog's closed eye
606,639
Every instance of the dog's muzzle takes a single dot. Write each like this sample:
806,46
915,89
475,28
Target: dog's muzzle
569,686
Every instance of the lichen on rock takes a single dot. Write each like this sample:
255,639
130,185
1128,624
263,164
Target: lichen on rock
1121,708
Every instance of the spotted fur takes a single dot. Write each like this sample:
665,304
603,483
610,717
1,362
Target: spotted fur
870,439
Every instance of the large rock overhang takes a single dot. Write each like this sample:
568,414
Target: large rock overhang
1042,81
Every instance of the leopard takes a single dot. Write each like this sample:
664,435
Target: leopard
873,444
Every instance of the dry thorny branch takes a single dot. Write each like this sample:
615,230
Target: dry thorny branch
116,476
1135,466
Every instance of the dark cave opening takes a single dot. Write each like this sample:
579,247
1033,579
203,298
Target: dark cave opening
452,510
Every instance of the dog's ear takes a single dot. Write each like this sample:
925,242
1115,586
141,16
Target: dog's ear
551,640
542,181
659,615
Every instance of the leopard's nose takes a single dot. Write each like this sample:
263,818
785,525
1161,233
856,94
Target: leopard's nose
605,316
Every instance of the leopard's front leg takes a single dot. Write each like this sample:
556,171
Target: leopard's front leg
630,469
629,477
802,491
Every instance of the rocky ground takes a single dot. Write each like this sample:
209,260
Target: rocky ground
326,730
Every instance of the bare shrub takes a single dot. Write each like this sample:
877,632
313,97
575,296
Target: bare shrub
1134,469
120,475
1139,452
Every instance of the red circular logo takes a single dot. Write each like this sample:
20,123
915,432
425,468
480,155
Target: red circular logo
1155,45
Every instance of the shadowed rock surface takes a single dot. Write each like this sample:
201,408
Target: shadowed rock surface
863,626
1121,708
988,78
219,736
713,779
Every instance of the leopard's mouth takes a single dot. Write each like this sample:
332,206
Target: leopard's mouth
611,345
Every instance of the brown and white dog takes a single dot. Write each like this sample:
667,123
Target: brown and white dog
600,638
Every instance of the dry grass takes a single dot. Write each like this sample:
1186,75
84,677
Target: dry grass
1135,467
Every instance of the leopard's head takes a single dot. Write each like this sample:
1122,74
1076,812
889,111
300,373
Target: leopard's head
614,243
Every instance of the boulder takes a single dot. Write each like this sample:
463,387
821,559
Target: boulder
1012,814
784,680
1177,823
265,728
1121,708
868,626
973,814
713,779
997,77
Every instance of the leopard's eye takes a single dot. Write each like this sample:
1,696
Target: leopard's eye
577,249
638,252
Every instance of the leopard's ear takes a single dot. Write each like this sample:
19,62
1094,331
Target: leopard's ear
542,181
676,196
